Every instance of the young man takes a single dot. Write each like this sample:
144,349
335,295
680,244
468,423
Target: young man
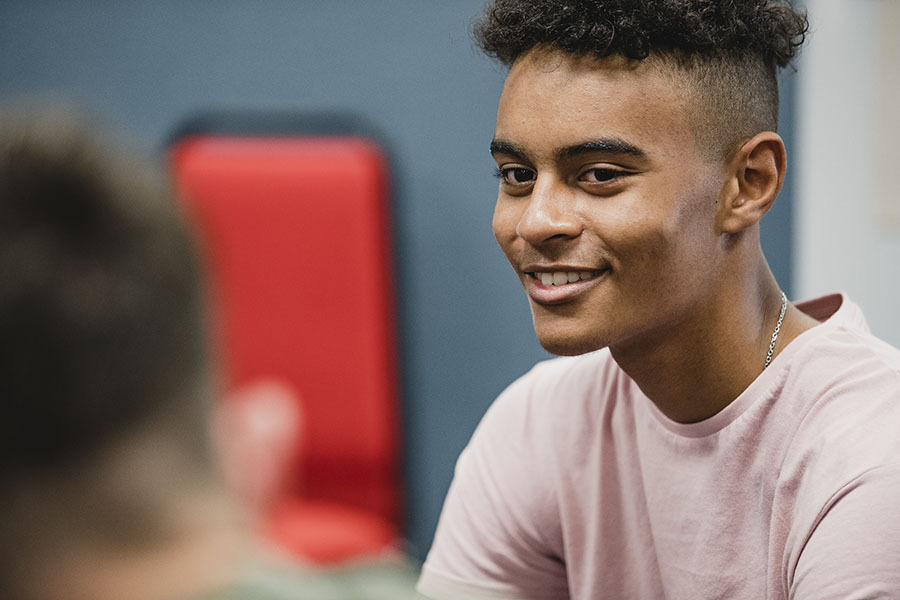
703,437
110,484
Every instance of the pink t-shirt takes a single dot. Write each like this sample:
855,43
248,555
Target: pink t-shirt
574,485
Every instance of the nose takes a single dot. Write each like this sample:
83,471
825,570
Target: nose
550,214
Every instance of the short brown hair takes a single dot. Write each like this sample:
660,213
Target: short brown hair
101,305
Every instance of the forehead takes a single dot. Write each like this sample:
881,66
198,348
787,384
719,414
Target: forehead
553,99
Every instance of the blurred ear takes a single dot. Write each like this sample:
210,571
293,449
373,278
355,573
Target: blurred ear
756,176
259,431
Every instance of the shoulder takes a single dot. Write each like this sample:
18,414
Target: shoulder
520,431
843,387
559,390
366,579
845,384
840,366
538,429
500,533
847,375
844,338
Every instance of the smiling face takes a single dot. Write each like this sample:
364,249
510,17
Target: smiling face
607,205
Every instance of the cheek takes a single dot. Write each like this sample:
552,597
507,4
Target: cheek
678,250
659,251
504,224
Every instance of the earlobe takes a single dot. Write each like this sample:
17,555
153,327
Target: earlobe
258,431
756,177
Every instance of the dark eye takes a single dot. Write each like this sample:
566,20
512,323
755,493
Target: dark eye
601,175
516,175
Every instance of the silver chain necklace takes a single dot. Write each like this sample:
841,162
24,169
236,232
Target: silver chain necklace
777,329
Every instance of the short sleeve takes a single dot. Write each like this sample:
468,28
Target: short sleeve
498,532
853,553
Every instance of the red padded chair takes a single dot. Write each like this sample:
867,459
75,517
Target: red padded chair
295,230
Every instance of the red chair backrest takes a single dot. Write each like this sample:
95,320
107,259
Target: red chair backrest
296,234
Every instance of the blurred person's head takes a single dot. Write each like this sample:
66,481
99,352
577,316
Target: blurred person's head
107,467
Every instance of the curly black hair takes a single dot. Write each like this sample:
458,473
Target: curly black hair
728,51
768,29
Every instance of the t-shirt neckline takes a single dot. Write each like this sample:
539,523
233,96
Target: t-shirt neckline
832,310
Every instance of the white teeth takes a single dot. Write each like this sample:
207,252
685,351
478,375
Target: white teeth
564,277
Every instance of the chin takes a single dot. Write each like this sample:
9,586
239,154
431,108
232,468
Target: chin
567,331
568,345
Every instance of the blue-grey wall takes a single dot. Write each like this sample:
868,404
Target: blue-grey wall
406,66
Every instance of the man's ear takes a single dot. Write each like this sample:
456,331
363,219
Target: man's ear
258,429
756,175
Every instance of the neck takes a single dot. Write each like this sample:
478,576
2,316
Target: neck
703,363
205,554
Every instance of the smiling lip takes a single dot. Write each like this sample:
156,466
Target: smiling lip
558,285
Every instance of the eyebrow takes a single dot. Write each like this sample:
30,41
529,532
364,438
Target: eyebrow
508,148
616,146
604,145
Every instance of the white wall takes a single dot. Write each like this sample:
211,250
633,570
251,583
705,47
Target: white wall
848,137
